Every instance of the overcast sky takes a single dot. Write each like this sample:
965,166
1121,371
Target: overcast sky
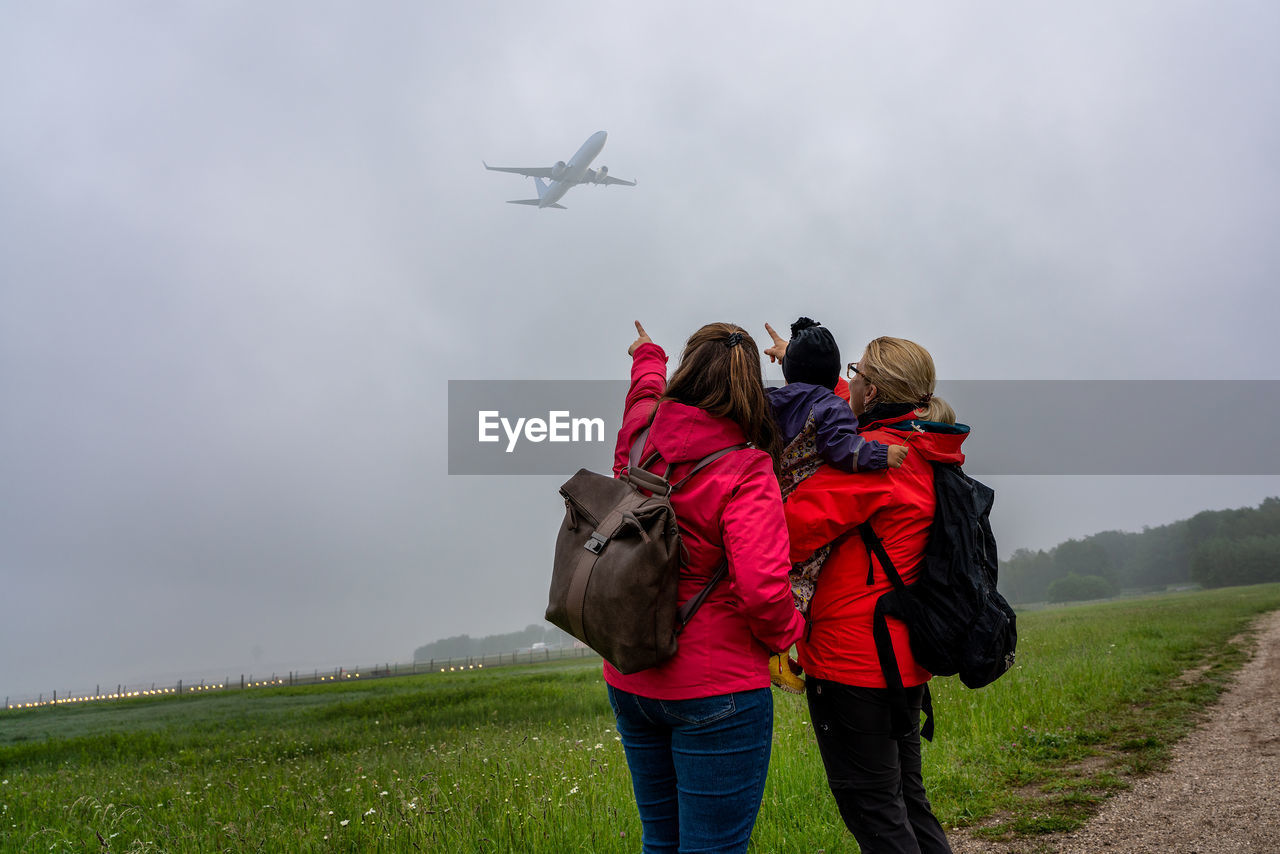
245,246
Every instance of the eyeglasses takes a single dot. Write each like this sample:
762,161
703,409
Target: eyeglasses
852,371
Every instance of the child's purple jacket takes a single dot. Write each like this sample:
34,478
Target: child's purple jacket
838,442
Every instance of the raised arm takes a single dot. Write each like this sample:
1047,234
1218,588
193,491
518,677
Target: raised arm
838,442
648,381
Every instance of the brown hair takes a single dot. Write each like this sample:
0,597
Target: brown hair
902,372
726,380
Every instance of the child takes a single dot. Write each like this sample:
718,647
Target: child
817,427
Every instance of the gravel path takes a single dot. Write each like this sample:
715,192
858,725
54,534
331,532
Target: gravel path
1221,793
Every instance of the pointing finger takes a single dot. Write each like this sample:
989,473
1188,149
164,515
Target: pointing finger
777,339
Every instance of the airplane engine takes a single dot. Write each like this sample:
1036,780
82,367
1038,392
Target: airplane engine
601,174
557,171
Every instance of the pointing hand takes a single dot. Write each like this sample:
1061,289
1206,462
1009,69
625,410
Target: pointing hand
643,339
779,348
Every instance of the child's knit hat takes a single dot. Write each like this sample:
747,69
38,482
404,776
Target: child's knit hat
812,355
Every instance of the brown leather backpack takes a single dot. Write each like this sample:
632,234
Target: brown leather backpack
617,563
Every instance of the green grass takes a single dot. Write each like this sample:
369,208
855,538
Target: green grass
526,759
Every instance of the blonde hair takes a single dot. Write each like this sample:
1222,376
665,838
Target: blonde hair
902,372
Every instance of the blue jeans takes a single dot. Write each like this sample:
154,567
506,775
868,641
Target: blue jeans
697,766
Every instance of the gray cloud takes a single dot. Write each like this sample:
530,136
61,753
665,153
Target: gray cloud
244,248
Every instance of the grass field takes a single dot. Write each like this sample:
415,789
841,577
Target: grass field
525,759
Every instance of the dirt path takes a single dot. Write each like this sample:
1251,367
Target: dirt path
1221,793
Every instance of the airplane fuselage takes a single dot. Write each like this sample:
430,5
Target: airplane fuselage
575,170
564,176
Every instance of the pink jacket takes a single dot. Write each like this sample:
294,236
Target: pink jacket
733,507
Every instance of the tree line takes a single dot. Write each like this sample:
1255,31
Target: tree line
465,646
1214,548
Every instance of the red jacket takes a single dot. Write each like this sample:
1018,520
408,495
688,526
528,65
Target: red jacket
899,504
733,507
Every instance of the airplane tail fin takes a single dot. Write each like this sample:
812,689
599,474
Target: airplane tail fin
542,191
535,203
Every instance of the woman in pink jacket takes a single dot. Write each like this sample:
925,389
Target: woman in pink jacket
697,729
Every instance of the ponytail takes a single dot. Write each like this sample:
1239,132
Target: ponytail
720,373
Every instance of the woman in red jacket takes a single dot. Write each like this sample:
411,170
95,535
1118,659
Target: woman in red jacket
697,729
873,766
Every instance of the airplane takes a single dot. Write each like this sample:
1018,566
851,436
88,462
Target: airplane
564,176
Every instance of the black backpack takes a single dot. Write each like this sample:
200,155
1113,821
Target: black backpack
959,623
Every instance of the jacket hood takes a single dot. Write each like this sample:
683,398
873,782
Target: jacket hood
792,404
935,441
796,394
682,433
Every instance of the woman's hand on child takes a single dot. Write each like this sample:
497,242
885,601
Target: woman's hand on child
779,348
897,455
643,339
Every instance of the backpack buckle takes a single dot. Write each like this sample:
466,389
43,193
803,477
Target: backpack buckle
596,543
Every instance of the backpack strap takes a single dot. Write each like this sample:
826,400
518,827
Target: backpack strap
637,448
900,715
656,483
708,460
689,608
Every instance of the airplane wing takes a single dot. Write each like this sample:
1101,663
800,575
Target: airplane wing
609,179
535,172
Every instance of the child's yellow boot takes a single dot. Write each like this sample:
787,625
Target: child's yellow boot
785,673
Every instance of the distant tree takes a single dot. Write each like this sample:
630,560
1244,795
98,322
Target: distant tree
1080,588
1026,575
465,646
1121,548
1163,557
1202,526
1219,562
1083,557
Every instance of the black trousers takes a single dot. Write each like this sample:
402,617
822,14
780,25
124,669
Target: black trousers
873,774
